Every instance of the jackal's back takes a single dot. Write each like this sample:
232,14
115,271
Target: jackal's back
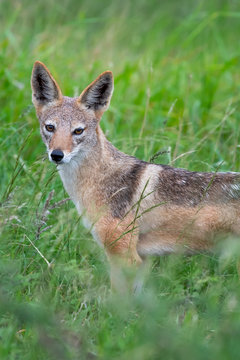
179,186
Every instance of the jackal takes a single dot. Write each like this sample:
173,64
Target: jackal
133,208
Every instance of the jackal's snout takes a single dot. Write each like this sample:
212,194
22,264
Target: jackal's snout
57,155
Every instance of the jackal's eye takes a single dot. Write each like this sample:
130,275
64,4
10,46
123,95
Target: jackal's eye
78,131
50,128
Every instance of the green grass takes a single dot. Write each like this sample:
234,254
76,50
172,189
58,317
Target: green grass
176,68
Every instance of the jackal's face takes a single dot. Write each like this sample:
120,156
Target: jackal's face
69,125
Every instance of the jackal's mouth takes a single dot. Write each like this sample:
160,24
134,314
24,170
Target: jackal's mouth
58,162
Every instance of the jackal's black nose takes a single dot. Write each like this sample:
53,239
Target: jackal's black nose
57,155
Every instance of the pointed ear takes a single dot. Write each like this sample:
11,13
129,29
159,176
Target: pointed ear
98,94
45,89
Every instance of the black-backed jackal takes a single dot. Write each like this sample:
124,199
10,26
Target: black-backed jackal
132,207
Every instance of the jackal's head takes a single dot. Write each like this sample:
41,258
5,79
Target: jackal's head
69,125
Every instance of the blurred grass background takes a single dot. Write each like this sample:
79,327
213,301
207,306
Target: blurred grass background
176,68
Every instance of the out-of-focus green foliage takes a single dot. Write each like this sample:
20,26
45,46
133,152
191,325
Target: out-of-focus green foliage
176,68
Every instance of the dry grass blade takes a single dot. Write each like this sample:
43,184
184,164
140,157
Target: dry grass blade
49,264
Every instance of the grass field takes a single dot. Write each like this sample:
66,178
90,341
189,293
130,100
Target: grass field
177,89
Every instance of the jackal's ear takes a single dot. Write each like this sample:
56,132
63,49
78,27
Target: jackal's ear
45,89
98,94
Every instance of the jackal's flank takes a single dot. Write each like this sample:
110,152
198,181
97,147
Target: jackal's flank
132,207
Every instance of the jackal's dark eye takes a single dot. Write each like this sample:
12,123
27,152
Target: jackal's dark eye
50,128
78,131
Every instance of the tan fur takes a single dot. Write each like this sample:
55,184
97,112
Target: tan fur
133,208
61,141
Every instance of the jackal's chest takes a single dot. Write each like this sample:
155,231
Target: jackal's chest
75,190
71,184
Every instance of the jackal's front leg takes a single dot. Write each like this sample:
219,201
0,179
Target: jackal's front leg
120,241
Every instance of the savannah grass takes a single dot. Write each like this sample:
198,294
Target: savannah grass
176,101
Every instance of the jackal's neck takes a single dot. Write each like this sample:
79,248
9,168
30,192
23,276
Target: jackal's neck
109,156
